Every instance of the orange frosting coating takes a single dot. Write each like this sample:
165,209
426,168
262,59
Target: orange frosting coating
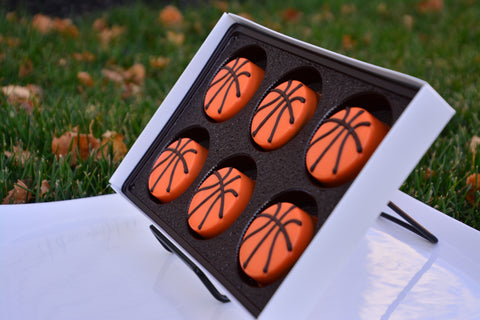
274,241
176,168
231,89
342,145
218,201
282,114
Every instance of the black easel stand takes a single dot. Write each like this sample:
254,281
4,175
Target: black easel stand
409,224
170,247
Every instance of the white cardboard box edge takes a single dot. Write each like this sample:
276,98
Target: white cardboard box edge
298,284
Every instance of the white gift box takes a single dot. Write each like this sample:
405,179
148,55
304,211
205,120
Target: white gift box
416,114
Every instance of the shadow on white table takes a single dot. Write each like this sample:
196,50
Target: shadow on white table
96,258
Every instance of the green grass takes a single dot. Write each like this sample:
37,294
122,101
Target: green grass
442,48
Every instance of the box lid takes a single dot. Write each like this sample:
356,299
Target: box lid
413,110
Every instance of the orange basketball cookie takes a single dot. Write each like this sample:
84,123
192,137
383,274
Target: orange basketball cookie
231,89
274,241
282,114
342,145
176,168
218,201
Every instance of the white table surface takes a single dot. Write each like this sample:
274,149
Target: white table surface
96,258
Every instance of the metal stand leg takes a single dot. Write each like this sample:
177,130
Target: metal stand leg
410,223
170,247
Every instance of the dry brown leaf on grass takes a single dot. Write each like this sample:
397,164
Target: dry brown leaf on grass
159,62
113,75
65,27
26,67
35,91
430,6
84,56
474,143
19,194
62,62
80,143
170,16
347,42
109,34
61,146
177,38
44,24
16,93
44,188
22,194
473,185
19,155
100,24
429,173
408,21
131,79
130,89
112,141
27,97
85,79
290,14
135,73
